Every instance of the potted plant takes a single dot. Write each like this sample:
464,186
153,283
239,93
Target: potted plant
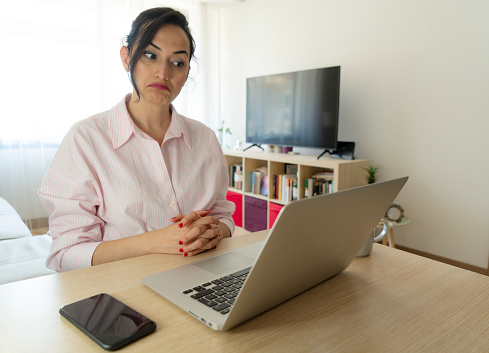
221,131
372,173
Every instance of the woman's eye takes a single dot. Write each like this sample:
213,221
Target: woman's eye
179,63
150,55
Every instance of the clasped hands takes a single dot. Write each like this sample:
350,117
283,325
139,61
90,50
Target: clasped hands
200,232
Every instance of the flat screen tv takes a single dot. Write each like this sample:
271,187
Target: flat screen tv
294,109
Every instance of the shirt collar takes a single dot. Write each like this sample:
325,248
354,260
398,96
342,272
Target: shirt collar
178,128
121,126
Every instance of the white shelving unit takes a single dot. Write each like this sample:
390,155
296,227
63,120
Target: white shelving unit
347,174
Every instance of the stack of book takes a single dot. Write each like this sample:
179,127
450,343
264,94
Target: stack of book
321,183
259,181
236,176
285,185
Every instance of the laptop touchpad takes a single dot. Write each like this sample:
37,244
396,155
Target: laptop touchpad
224,262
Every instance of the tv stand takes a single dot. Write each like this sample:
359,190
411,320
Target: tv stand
255,144
325,151
255,211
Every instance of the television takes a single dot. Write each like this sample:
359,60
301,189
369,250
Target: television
298,109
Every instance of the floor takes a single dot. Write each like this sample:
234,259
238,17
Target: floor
39,231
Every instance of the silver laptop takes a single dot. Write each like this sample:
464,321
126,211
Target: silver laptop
312,240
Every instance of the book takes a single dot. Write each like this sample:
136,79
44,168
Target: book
274,186
238,177
264,185
291,168
294,190
324,175
287,186
308,192
279,183
232,174
256,179
315,188
321,187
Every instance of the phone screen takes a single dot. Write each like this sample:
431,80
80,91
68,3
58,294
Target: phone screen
107,321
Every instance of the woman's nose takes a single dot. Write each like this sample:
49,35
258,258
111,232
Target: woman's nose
163,71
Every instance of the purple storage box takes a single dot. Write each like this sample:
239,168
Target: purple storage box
255,214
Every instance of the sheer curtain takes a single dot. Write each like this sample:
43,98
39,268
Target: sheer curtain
60,64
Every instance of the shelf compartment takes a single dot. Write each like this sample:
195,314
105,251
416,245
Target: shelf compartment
306,172
250,164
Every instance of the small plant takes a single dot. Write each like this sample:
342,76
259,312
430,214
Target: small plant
222,131
372,173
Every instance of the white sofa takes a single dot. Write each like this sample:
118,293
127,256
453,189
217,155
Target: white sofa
22,255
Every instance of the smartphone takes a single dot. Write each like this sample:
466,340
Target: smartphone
107,321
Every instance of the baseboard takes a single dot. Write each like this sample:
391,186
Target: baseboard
483,271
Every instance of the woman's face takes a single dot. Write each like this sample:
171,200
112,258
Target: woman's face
162,70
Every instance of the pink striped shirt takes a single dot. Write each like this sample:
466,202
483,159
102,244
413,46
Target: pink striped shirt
110,180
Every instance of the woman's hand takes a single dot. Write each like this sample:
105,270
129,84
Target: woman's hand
188,235
202,232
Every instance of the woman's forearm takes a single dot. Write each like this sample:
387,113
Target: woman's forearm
163,241
114,250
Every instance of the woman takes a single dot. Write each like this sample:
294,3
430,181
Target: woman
122,181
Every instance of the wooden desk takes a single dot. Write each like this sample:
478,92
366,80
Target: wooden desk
390,301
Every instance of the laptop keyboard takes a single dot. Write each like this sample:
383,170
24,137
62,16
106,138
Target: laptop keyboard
220,293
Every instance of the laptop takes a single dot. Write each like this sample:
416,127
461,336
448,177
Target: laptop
312,240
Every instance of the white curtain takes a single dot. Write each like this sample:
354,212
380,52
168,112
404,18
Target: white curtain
60,64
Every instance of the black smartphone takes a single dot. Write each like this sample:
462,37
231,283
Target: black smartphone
107,321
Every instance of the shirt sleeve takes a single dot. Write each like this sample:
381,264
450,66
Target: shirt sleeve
69,193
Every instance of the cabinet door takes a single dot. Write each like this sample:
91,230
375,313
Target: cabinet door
274,211
255,214
237,199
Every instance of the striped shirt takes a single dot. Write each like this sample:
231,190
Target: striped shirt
110,180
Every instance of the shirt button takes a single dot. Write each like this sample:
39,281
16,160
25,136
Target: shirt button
172,204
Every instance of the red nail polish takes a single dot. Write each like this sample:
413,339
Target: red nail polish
181,250
180,225
180,242
215,246
207,210
185,254
172,218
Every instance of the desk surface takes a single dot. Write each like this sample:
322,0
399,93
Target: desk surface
390,301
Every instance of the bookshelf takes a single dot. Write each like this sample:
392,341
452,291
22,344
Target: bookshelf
262,210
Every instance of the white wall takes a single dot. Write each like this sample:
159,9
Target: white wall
414,97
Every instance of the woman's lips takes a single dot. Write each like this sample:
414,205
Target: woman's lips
159,86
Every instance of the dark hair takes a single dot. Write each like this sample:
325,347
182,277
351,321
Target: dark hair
145,27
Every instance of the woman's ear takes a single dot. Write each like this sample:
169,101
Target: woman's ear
125,58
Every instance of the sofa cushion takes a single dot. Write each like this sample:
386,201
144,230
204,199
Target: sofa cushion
24,258
11,225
